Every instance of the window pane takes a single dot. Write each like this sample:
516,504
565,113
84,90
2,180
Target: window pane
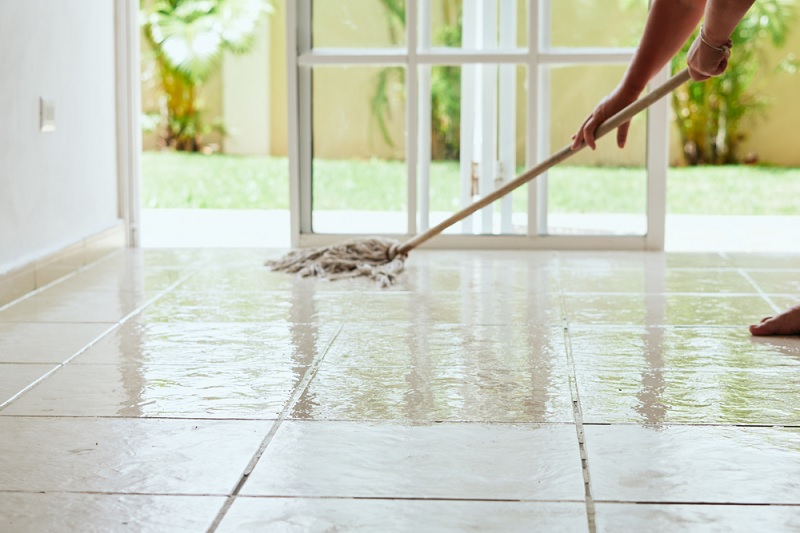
358,171
596,23
358,23
477,136
602,192
461,24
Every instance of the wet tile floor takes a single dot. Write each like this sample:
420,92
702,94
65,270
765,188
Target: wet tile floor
194,390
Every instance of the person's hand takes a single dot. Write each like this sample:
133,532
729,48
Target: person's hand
609,106
707,58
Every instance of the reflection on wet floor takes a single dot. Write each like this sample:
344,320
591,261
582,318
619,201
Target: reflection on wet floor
487,391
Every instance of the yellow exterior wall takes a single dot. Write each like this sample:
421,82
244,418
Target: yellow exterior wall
772,136
277,90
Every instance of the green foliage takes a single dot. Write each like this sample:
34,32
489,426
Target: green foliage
445,85
446,100
187,39
711,115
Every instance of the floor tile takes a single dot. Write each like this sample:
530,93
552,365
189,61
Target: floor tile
433,260
594,259
685,375
641,349
426,392
764,260
515,372
45,342
646,518
502,278
275,307
439,308
707,464
68,306
14,378
416,344
655,281
711,396
716,281
441,403
696,259
777,281
599,260
253,278
474,461
197,344
629,280
667,310
170,258
34,513
223,390
126,455
303,515
782,302
106,278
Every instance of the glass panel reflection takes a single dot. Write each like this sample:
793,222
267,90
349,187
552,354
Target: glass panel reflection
455,24
358,170
358,23
477,144
602,192
596,23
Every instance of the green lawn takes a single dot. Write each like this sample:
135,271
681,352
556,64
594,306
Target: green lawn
178,180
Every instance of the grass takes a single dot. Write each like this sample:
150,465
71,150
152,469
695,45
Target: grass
181,180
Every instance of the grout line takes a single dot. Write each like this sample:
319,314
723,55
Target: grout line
400,421
97,339
578,416
405,498
303,497
708,503
310,373
758,289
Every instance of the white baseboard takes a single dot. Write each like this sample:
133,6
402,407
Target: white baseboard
22,280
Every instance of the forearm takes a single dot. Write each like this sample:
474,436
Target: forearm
669,25
722,17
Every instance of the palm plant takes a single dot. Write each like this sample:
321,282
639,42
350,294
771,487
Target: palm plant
187,39
710,115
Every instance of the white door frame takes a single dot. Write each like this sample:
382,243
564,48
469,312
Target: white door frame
538,58
129,138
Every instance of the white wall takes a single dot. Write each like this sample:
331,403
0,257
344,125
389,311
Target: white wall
61,187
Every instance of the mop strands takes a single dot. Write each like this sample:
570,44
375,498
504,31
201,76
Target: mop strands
382,260
374,257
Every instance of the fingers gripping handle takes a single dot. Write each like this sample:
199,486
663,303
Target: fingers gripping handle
609,125
643,103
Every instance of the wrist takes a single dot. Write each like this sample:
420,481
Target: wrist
712,38
632,86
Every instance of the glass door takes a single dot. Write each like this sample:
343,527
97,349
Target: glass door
405,112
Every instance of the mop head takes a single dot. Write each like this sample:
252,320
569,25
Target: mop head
375,258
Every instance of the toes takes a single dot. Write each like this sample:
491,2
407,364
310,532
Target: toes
763,328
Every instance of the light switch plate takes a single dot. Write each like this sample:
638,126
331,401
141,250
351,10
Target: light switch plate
47,115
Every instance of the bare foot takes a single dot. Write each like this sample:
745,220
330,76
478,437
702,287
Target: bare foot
786,323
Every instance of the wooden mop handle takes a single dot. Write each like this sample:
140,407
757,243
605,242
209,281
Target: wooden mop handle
609,125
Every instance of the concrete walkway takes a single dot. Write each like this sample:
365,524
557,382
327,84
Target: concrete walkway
169,228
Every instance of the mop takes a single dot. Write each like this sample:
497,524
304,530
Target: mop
382,259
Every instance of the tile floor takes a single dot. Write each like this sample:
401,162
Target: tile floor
193,390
